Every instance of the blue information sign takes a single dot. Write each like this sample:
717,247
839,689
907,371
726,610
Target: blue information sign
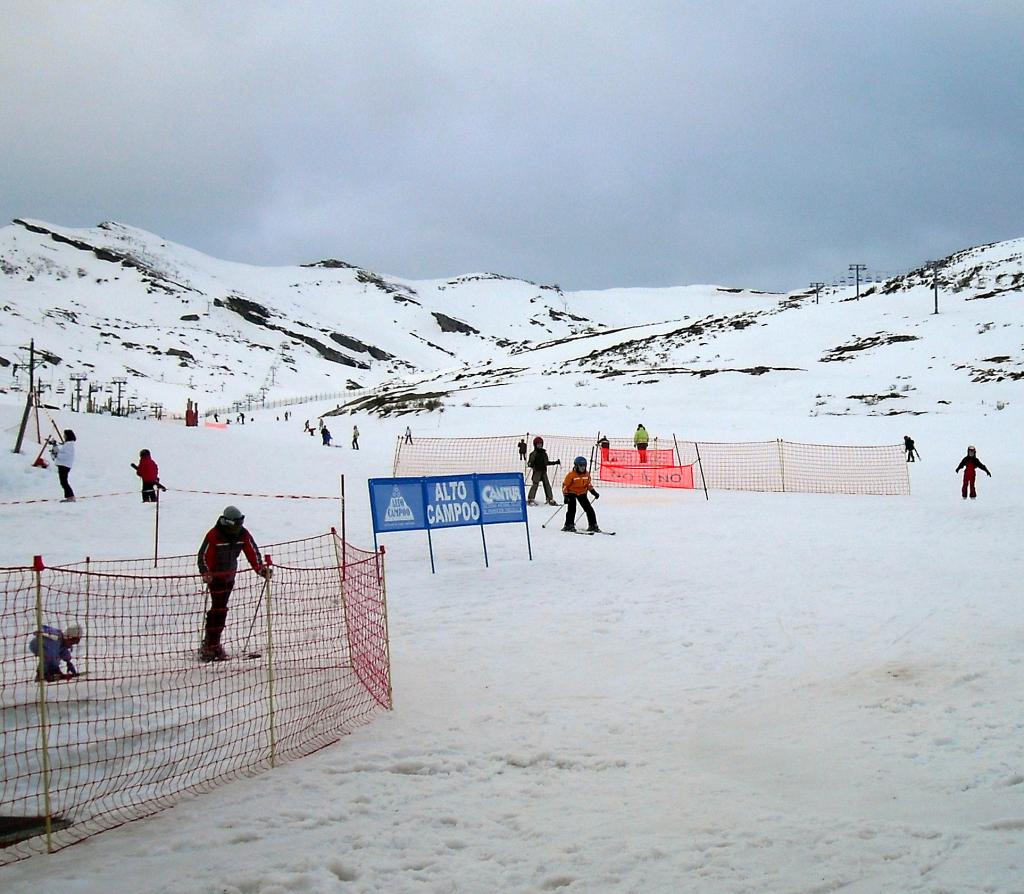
396,504
448,501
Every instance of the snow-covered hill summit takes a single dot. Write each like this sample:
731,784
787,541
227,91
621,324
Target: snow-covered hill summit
113,301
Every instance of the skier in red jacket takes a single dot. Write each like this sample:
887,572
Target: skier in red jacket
218,564
970,464
149,472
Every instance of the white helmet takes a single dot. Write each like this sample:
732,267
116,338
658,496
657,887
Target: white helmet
73,631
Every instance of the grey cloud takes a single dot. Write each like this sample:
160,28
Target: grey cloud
764,144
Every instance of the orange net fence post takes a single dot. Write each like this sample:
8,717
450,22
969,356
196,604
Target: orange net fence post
146,722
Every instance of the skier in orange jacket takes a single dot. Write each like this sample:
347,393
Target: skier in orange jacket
575,488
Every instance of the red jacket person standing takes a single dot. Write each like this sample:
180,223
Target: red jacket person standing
970,464
218,564
149,472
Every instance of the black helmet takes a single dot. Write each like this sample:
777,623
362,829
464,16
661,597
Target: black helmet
231,518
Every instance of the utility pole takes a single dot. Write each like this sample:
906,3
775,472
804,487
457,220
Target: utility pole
817,290
30,396
935,265
120,381
78,378
856,268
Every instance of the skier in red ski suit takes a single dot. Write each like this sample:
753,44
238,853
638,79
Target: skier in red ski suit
218,564
970,464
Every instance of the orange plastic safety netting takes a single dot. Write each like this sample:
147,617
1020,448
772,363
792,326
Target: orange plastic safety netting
773,466
146,722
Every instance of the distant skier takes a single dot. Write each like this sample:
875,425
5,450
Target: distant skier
640,441
522,449
57,646
603,442
575,488
218,564
970,464
408,435
149,472
908,444
538,462
64,456
355,437
325,434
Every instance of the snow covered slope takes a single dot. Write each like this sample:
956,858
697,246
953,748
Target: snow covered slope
756,692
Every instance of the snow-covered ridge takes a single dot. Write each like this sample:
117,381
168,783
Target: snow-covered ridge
115,301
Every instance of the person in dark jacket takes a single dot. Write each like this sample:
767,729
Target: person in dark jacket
218,564
521,446
538,462
970,464
908,445
149,472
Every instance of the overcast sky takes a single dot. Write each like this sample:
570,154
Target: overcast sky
590,144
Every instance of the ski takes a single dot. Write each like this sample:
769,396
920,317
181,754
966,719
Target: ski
590,533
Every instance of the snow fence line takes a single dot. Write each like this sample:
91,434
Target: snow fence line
146,722
776,466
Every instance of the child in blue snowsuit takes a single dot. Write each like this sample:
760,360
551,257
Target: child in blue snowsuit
57,646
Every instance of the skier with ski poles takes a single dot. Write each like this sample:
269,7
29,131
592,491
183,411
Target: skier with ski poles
218,564
908,445
575,488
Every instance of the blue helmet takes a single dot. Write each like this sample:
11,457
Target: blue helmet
580,464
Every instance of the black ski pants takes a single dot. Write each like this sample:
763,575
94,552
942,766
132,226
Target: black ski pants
570,509
62,474
217,616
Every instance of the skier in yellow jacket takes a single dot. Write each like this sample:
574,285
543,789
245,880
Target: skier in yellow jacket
575,489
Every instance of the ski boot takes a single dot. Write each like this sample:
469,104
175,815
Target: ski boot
212,652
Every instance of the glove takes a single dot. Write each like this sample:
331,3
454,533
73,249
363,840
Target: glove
597,496
207,577
989,474
565,499
264,572
557,462
134,466
158,484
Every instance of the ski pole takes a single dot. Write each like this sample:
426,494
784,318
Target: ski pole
553,514
259,604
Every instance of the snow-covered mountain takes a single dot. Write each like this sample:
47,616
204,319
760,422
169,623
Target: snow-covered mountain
113,301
